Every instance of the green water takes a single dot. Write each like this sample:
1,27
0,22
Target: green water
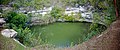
62,34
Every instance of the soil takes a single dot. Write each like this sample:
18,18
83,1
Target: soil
108,40
9,43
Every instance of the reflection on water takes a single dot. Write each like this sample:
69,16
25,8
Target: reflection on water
62,34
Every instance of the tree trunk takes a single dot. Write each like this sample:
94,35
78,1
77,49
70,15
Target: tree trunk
117,8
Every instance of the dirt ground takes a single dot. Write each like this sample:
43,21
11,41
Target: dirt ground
9,44
108,40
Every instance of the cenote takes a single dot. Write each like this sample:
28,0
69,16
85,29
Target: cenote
62,34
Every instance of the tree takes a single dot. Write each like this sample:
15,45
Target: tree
56,12
18,20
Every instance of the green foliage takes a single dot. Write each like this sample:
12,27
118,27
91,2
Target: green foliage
94,2
37,4
18,20
90,35
27,37
68,2
104,11
109,15
56,12
22,2
102,5
24,36
5,2
81,1
96,18
69,18
93,26
95,29
15,6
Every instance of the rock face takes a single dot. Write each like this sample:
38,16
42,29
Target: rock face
9,33
39,21
2,22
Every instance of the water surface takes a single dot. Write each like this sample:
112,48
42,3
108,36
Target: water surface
62,34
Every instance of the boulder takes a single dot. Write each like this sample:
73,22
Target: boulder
2,20
9,33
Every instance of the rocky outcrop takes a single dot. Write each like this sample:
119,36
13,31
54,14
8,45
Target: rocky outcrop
9,33
39,21
2,22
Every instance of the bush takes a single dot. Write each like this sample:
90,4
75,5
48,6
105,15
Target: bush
69,18
95,29
90,35
56,12
5,2
16,6
24,36
17,19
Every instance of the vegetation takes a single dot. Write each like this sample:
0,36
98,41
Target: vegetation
56,12
104,12
9,44
5,2
95,29
69,18
15,19
18,22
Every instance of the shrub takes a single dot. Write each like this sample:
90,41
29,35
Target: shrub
5,2
69,18
18,20
56,12
15,6
24,36
95,29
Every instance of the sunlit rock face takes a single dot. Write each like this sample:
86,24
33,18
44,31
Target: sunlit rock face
85,11
2,22
9,33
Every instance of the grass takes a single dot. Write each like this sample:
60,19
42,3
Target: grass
9,44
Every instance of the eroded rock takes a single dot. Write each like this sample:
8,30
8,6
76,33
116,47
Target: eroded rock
9,33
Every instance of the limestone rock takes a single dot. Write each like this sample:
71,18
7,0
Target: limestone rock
9,33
